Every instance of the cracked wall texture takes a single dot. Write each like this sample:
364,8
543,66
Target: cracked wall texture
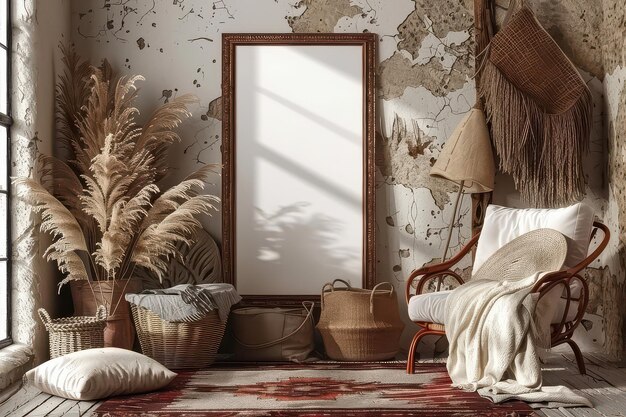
425,88
613,32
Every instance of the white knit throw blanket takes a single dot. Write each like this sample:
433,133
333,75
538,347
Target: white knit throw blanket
491,332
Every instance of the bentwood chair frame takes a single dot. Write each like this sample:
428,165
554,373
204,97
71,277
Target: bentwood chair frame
561,332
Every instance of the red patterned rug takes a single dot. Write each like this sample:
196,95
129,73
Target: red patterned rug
319,389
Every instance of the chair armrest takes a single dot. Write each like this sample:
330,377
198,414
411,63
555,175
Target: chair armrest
598,250
551,280
441,269
421,284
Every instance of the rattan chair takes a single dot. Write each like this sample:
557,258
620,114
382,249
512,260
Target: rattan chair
560,332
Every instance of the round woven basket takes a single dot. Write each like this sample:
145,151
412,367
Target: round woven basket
179,345
71,334
359,324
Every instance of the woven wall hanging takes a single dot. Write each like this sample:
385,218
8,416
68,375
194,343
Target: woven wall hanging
540,111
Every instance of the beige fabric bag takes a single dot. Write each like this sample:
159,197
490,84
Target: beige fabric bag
273,334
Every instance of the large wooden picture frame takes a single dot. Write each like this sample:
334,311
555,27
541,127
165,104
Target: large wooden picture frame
271,263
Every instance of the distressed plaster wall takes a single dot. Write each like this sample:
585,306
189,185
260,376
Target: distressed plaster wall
37,28
425,87
613,32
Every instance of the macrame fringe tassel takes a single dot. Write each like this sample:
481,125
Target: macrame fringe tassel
543,152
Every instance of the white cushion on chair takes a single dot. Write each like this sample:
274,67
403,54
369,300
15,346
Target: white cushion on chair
502,225
430,307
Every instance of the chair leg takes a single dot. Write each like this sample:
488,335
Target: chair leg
580,360
410,362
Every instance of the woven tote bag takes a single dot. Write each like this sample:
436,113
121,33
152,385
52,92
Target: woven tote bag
358,324
540,111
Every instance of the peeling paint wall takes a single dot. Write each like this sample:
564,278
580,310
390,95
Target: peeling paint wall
425,88
613,33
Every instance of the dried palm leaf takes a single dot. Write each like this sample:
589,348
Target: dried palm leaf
107,185
73,266
121,121
99,206
125,220
60,223
141,164
159,241
61,181
158,133
171,199
199,263
107,74
72,92
92,125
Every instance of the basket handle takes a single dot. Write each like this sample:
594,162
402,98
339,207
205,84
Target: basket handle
330,287
101,313
308,307
44,316
374,292
343,281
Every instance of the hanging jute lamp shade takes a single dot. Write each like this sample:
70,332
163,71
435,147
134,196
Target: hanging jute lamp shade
467,156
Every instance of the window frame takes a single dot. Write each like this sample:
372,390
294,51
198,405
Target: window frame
6,121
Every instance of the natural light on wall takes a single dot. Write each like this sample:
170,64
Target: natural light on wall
300,167
5,122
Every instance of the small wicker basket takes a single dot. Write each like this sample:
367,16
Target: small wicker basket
179,345
71,334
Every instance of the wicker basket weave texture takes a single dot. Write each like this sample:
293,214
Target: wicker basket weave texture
360,325
179,345
71,334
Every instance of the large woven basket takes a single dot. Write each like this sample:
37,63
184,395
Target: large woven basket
71,334
179,345
359,324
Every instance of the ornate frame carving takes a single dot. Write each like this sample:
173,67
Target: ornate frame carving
229,42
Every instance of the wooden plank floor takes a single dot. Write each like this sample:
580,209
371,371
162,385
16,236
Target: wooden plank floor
604,384
33,403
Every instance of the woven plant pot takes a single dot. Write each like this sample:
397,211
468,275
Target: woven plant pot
179,345
71,334
358,324
119,331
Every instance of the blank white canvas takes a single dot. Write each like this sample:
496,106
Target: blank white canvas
299,168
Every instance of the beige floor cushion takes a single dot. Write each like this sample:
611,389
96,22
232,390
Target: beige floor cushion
94,374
